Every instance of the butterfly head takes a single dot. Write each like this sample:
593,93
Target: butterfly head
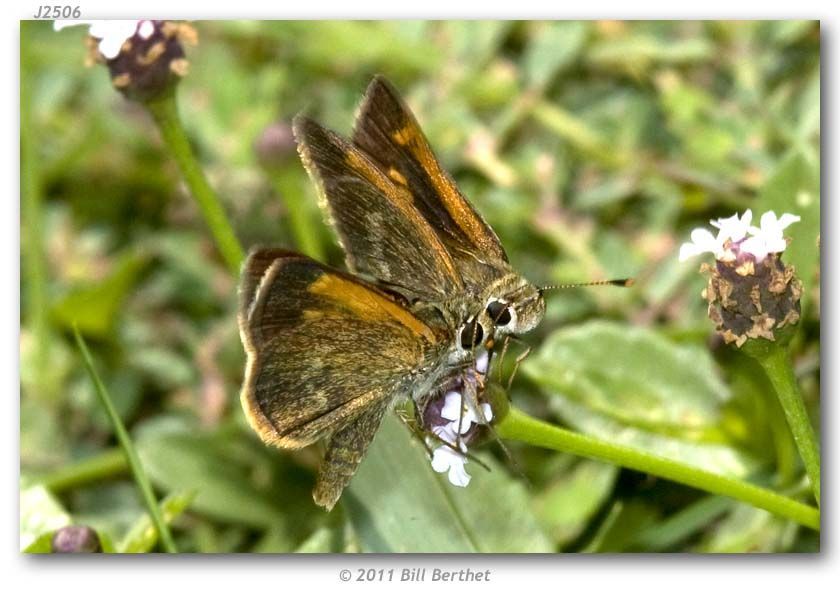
510,309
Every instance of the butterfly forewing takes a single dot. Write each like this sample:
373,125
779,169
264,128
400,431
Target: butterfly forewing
380,228
387,131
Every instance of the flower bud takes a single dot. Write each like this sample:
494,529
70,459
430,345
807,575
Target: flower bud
76,539
275,145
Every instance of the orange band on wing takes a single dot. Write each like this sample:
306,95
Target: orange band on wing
367,304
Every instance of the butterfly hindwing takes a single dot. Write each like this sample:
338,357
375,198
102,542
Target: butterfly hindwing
345,451
323,347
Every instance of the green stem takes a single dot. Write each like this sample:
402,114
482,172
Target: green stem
777,365
517,425
165,113
91,469
131,456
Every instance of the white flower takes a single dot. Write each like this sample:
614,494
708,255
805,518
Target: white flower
768,238
741,235
111,34
446,459
453,407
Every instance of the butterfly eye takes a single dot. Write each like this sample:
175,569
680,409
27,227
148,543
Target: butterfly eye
471,334
499,312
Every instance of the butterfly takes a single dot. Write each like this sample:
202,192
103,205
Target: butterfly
429,290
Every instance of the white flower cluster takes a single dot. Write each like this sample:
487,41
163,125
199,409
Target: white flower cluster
742,235
111,34
457,412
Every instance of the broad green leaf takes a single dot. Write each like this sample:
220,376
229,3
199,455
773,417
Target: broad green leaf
633,375
143,536
397,503
40,514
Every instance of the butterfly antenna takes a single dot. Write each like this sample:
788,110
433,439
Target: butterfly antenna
628,282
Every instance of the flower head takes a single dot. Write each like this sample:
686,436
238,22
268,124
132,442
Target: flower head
145,58
751,292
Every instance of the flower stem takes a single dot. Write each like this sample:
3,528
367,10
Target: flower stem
777,365
131,456
517,425
165,113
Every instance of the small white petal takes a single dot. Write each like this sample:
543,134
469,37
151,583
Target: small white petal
756,245
788,219
452,404
702,241
688,250
440,459
446,459
733,228
488,412
447,432
481,362
146,29
458,475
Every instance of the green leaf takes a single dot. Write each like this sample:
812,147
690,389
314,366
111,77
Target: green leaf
143,535
570,500
94,308
397,503
40,514
552,47
633,375
682,525
623,523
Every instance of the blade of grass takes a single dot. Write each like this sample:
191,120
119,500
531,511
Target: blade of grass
87,470
128,448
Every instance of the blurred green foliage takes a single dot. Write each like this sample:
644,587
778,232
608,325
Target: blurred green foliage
593,148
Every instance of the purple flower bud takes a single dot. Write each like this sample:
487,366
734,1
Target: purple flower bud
76,539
